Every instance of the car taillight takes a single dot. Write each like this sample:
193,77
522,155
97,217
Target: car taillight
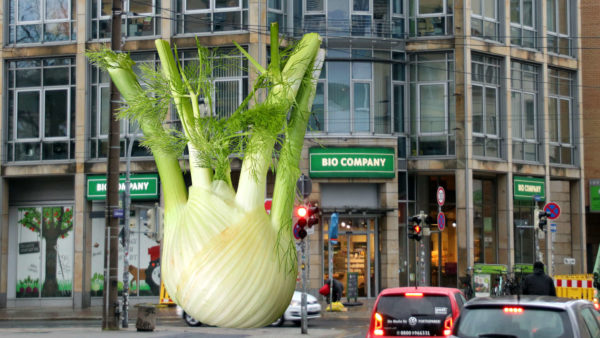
413,294
596,304
448,326
378,330
513,310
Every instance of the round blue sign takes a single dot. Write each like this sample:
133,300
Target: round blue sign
553,210
441,221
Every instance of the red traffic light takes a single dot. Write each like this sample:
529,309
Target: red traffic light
301,211
417,229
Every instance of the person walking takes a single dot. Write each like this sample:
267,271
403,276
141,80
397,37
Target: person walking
538,283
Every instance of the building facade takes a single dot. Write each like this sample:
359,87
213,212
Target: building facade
479,97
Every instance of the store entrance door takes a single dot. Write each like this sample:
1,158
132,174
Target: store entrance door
355,254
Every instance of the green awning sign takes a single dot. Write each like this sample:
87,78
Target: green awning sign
529,188
595,195
142,187
352,162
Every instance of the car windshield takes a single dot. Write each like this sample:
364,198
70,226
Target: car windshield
518,322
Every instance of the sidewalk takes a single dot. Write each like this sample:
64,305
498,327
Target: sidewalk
164,313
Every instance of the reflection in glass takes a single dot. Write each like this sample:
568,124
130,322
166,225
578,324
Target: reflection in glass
56,113
57,9
28,105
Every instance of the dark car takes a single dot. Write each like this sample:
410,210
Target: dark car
415,311
528,317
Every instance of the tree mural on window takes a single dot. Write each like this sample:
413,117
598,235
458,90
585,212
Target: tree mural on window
52,224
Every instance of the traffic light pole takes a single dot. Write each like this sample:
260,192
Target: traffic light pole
304,322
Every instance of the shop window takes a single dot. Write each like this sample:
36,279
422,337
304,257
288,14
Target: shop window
524,232
41,21
432,119
210,16
523,23
41,110
484,19
45,252
560,116
144,254
559,26
485,229
485,96
140,18
431,17
524,101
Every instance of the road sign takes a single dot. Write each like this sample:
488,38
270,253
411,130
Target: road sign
441,196
553,210
552,227
118,213
569,261
297,229
441,221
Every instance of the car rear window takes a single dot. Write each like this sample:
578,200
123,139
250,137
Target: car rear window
514,321
414,316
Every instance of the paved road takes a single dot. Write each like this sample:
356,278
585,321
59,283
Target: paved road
322,327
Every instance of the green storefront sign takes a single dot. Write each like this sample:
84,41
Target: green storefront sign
143,187
527,188
352,162
595,195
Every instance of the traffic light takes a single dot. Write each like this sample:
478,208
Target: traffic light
416,230
302,221
542,220
313,215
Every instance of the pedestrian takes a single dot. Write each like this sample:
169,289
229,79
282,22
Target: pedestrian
338,289
538,283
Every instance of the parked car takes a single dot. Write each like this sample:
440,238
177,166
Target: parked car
528,316
415,311
189,320
292,313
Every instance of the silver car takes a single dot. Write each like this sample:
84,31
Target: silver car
292,313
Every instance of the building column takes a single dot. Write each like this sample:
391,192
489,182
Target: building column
578,233
390,242
82,256
4,225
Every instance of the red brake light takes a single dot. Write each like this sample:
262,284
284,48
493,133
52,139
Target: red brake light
378,329
513,310
413,294
596,304
448,326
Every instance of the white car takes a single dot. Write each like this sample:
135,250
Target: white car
292,313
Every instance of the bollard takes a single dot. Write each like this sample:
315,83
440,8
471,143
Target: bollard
146,319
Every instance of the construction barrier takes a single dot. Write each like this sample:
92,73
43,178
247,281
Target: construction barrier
574,286
164,296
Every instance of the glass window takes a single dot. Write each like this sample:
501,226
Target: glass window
41,110
524,232
560,116
41,21
523,24
591,323
432,115
484,222
141,19
559,32
430,17
524,96
484,19
203,16
486,105
45,258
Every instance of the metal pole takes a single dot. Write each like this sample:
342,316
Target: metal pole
304,323
127,207
110,319
330,252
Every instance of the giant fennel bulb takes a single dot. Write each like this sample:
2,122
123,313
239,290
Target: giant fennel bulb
224,259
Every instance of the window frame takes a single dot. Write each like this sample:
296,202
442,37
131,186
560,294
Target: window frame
415,16
522,118
483,18
14,22
559,130
212,10
523,27
556,34
94,32
12,113
485,62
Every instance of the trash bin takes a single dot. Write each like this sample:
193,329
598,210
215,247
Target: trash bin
146,319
